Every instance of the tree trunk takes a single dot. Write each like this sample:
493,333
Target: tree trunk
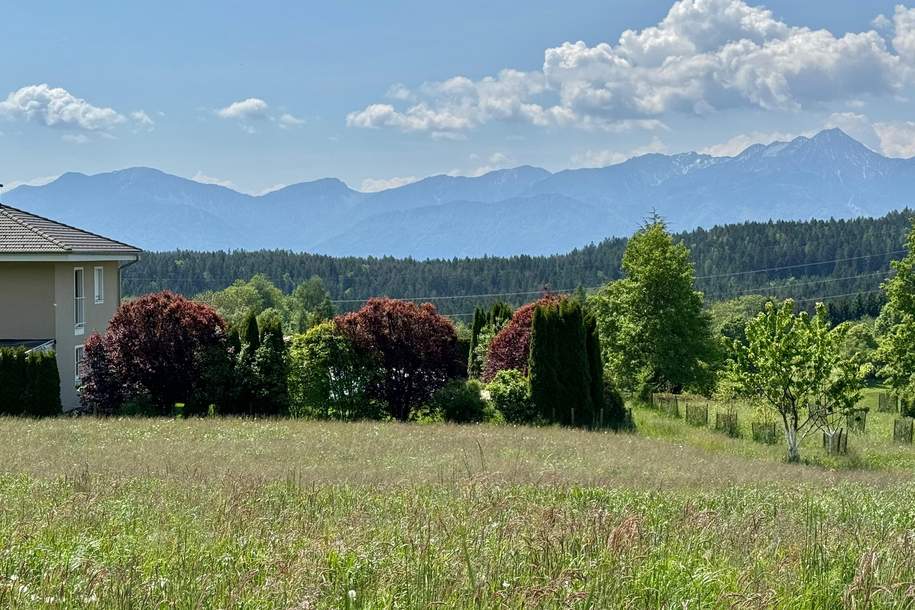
794,452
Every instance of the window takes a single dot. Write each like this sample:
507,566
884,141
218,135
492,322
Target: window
79,356
99,285
79,305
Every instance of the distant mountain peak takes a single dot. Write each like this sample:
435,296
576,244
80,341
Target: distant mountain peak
516,210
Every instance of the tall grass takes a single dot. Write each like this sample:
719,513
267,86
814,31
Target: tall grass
284,514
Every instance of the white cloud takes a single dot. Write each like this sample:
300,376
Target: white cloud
603,158
373,185
903,27
143,120
251,108
889,138
203,178
493,162
287,120
57,107
897,138
704,56
741,142
38,181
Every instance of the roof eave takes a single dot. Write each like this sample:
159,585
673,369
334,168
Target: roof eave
63,257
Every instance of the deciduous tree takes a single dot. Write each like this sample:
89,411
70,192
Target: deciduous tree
794,364
413,345
654,333
154,346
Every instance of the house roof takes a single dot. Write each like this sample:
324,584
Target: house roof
25,233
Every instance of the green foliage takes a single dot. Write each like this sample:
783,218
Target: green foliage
896,325
787,247
794,364
510,393
460,401
729,318
328,377
29,383
308,304
654,332
486,325
271,371
559,364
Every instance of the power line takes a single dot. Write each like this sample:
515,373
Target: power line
567,290
796,284
784,267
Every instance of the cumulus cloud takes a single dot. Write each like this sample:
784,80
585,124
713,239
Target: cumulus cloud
57,107
704,56
603,158
373,185
142,120
251,108
897,138
287,120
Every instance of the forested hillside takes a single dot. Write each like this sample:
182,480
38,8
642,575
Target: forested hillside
836,259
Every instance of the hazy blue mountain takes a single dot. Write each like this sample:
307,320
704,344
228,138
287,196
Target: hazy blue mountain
514,211
471,228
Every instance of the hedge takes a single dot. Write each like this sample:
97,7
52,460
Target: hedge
29,383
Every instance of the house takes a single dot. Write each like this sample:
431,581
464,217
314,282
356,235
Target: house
58,285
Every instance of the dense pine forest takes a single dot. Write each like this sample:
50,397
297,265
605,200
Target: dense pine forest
840,261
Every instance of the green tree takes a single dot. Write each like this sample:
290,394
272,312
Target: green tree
235,302
794,364
896,324
309,305
271,370
328,377
654,332
560,372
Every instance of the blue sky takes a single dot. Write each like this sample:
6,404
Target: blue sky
256,95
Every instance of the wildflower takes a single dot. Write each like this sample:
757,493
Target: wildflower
351,595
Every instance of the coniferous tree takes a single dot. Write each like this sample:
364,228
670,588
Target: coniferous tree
559,364
271,369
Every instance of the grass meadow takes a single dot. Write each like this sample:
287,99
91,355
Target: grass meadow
225,513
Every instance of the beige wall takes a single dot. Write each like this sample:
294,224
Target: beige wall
26,300
97,316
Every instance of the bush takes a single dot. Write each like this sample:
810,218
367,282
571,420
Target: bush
510,394
29,383
511,347
154,347
329,378
615,414
413,347
460,402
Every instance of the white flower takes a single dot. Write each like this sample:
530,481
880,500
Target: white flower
351,595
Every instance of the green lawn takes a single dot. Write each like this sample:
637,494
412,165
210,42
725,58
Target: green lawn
226,513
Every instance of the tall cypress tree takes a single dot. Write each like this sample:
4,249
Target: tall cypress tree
559,365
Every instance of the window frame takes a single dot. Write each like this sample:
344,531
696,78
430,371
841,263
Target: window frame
98,282
77,350
79,301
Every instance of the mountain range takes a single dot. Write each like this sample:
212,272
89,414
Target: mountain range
524,210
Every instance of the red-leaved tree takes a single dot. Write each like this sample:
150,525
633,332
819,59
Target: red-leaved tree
413,346
156,346
511,348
